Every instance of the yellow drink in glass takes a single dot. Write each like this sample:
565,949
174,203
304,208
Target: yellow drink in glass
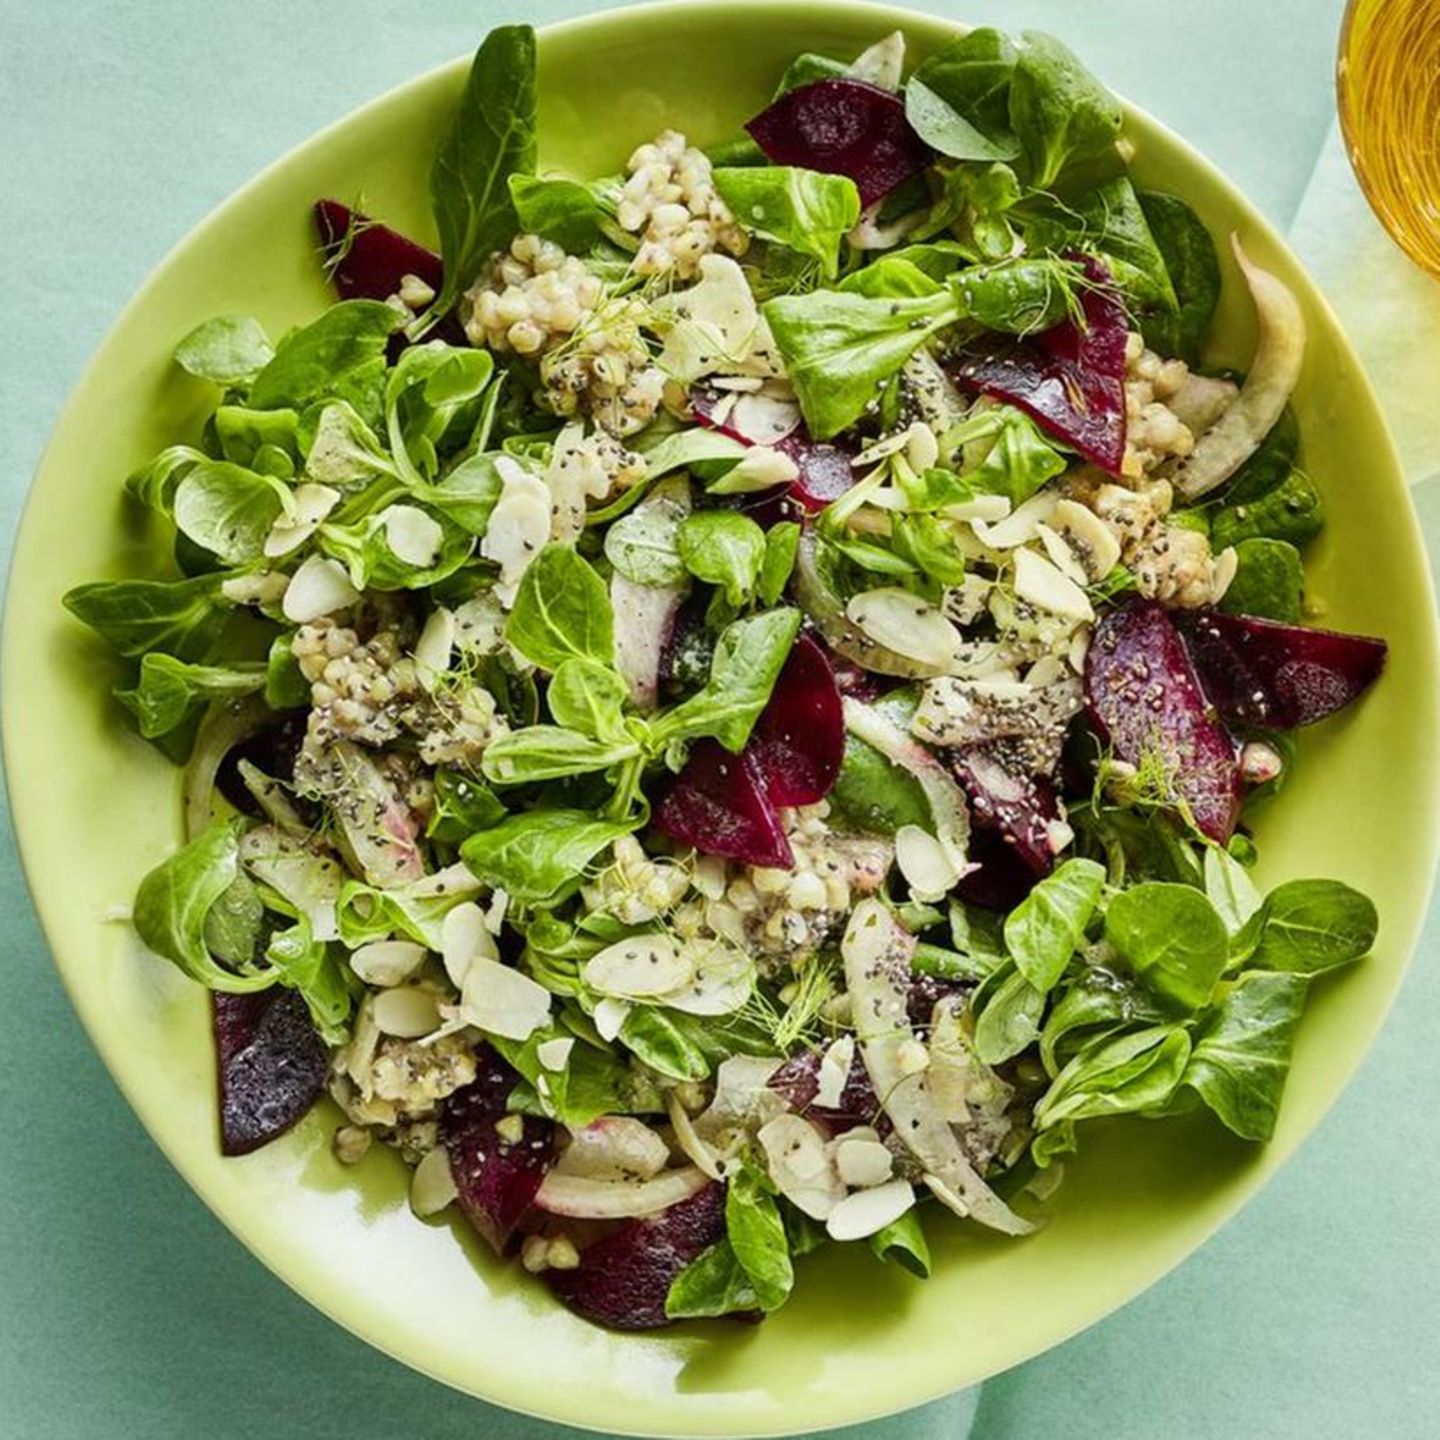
1389,98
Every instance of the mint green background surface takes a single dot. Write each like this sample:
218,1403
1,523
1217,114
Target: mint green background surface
125,1309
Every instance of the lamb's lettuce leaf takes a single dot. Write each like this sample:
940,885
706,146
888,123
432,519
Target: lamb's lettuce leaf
1242,1052
169,691
804,210
561,611
229,350
492,137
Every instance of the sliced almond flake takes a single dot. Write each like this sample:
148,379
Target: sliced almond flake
433,648
1043,586
983,509
930,868
519,525
555,1054
312,503
502,1001
387,962
868,1211
762,419
713,325
1061,555
741,384
285,538
319,587
406,1013
881,449
463,938
721,981
906,624
922,449
609,1016
495,911
863,1163
759,468
834,1071
414,536
799,1165
1045,671
642,967
432,1186
1020,526
1089,536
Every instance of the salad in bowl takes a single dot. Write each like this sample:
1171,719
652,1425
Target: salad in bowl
722,710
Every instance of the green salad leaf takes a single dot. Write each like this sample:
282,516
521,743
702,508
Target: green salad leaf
1293,511
562,611
802,209
1045,929
725,549
1241,1055
569,212
757,1236
971,76
492,137
230,350
748,659
169,691
714,1283
1060,113
174,902
1172,938
549,752
1117,1075
902,1242
1010,1011
228,510
589,697
1309,926
1193,266
1269,581
541,855
183,618
339,355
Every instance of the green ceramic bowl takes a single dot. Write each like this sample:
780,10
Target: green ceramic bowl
96,808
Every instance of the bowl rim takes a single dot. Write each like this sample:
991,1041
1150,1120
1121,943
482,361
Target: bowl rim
886,17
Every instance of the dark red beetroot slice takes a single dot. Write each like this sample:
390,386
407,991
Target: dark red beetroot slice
1070,378
622,1280
717,803
271,1065
369,260
1145,699
825,470
1002,879
373,262
1260,672
842,127
799,740
1018,808
798,1080
496,1178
